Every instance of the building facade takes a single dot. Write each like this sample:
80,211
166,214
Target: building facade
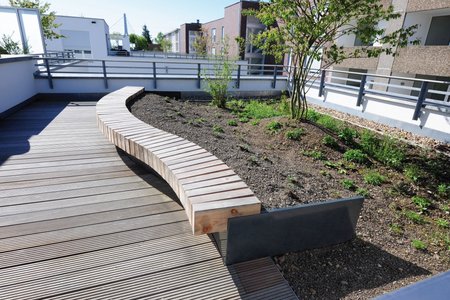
429,60
86,37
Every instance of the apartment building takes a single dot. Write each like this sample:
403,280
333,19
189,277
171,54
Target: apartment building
222,33
429,60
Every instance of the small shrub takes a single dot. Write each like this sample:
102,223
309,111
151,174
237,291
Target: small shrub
232,123
274,126
294,134
422,203
255,123
395,228
217,129
329,141
442,223
414,217
329,123
317,155
348,184
386,150
443,189
413,173
419,245
347,135
355,155
374,178
369,142
244,119
313,115
363,192
236,105
260,110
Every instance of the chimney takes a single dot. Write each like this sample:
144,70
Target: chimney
198,21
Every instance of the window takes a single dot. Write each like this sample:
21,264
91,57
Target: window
213,35
223,33
213,51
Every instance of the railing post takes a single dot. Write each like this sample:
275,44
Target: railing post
238,82
49,73
322,83
105,77
420,100
361,92
154,76
274,83
198,76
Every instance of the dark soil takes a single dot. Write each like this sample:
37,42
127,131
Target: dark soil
379,260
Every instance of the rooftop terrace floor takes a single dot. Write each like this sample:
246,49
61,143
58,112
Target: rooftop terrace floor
79,219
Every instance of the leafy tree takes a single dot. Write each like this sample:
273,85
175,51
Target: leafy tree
146,35
47,18
9,46
140,42
165,44
201,43
241,46
309,28
159,38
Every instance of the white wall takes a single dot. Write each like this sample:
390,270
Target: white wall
96,31
423,20
17,83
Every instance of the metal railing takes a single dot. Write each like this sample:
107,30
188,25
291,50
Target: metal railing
417,92
152,69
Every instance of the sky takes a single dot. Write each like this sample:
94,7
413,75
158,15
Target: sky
159,15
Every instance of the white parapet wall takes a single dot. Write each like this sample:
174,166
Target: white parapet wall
432,122
17,83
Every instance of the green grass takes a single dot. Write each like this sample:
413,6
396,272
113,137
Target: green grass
232,123
348,184
294,134
317,155
260,110
363,192
442,223
374,178
217,129
313,115
355,155
244,119
414,217
396,228
274,126
329,141
255,122
419,245
421,203
385,150
329,123
413,173
348,135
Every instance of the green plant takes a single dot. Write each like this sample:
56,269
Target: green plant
255,123
313,115
414,217
317,155
332,165
355,155
413,173
294,134
329,123
244,119
217,129
260,110
422,203
348,184
329,141
244,147
442,223
443,189
363,192
374,178
325,173
10,46
274,126
396,228
232,123
419,245
347,135
386,150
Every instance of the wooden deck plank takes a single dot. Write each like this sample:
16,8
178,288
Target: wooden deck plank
80,220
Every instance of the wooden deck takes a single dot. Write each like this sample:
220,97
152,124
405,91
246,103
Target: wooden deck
80,220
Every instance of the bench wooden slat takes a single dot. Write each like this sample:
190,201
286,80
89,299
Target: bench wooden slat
208,189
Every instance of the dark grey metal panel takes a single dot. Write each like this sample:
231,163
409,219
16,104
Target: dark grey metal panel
290,229
434,288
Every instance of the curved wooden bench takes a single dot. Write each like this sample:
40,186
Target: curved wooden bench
208,189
